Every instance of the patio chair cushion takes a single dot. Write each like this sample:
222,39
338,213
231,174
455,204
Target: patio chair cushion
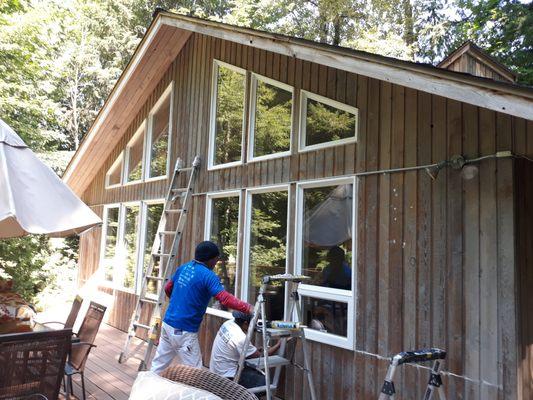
150,386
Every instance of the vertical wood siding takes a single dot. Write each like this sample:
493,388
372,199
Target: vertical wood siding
435,259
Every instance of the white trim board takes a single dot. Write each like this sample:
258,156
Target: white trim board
455,86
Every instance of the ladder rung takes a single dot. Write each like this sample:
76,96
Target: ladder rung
161,255
273,361
159,278
179,190
186,169
148,301
261,389
143,326
175,211
167,233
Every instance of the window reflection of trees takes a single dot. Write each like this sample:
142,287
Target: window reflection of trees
153,215
135,156
272,120
229,115
224,231
160,130
325,123
110,241
114,174
268,245
131,226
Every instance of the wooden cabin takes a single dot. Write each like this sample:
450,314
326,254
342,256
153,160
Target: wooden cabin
306,148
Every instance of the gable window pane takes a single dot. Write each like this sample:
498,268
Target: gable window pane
229,115
272,124
110,245
224,231
325,123
131,230
153,215
114,174
268,245
160,132
134,157
327,235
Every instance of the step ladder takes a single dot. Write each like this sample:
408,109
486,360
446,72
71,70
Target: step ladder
176,204
267,362
416,356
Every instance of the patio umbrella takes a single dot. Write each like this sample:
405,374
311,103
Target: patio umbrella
32,197
330,223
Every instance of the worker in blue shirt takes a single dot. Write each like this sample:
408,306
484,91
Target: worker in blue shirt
190,290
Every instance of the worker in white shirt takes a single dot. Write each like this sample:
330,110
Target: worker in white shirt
227,349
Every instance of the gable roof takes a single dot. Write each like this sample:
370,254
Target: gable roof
169,32
481,56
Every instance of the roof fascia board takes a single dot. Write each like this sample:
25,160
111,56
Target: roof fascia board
115,94
439,82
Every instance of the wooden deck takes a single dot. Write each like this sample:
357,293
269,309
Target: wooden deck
105,378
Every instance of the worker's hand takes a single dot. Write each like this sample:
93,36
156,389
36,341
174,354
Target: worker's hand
250,309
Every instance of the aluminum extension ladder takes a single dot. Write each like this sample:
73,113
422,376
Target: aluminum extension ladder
276,361
435,381
176,203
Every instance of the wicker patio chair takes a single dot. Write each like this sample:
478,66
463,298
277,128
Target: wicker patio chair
73,314
80,350
32,364
203,379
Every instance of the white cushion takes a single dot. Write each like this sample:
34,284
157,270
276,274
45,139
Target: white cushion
150,386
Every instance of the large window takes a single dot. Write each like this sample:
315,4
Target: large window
152,215
324,251
227,115
325,122
113,176
130,238
266,246
110,240
271,121
222,219
159,138
134,157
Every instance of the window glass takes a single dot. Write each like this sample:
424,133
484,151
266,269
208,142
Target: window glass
272,125
113,176
110,247
325,315
153,215
327,235
160,132
134,156
325,123
229,115
224,231
267,252
131,230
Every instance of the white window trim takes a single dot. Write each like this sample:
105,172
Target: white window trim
103,240
212,116
304,95
119,160
169,91
207,233
247,234
126,165
320,292
253,103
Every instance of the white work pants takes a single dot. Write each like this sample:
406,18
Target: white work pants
176,343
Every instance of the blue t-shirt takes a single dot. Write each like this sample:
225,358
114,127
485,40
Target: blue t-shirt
194,285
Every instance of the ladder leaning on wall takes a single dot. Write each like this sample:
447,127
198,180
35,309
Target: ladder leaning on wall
176,203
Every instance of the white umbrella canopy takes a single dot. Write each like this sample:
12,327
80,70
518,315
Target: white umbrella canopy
32,197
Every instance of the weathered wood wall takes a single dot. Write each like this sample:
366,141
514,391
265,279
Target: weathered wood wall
471,65
435,259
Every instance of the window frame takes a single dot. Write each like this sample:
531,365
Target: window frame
103,241
147,159
245,279
321,292
141,130
207,236
212,115
118,160
142,237
252,114
304,95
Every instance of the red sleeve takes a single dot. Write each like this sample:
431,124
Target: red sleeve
230,301
168,288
